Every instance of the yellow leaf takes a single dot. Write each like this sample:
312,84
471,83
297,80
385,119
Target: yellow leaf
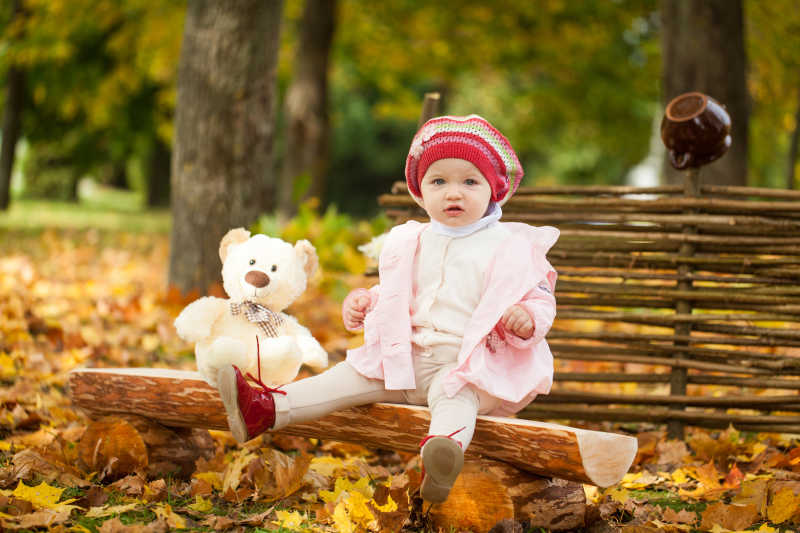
173,519
357,508
42,496
98,512
233,472
679,476
341,520
619,495
8,369
212,478
630,479
389,507
345,487
784,504
326,465
201,505
292,521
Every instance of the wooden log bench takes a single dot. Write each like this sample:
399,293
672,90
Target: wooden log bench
518,457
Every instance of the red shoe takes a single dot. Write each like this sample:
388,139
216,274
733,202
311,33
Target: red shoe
250,410
442,460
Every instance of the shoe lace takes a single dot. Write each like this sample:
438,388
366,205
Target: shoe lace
258,381
450,436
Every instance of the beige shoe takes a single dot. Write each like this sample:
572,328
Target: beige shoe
442,459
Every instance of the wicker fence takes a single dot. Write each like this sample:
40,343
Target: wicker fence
677,304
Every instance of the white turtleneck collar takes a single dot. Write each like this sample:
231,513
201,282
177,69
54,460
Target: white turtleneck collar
493,214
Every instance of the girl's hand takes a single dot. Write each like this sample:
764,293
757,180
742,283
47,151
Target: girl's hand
518,321
354,311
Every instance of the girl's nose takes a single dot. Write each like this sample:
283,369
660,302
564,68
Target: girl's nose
453,192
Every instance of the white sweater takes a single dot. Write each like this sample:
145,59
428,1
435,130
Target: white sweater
449,277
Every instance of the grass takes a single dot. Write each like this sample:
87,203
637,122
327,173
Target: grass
36,215
98,207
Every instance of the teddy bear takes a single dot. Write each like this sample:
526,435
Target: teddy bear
262,276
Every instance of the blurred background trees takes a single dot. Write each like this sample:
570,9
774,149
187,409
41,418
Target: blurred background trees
579,87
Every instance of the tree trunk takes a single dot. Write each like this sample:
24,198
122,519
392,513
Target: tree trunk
158,175
793,146
119,175
307,106
703,50
222,175
12,123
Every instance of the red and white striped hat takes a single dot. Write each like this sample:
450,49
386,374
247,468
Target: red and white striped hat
471,138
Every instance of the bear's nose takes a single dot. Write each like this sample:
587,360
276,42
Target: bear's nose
257,279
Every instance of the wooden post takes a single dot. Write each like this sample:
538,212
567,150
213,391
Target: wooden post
431,107
679,375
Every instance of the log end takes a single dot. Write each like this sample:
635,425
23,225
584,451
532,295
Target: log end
606,456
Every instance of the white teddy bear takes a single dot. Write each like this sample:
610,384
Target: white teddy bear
262,276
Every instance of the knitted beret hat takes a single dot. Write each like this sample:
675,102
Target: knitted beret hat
471,138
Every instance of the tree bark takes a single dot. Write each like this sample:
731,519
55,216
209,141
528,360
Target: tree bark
703,50
794,144
12,122
306,106
222,175
158,186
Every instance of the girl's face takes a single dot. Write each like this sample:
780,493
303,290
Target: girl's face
454,192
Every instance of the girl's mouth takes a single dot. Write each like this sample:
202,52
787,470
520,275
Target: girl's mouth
453,210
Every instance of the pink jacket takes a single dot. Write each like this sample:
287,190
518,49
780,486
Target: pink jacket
517,370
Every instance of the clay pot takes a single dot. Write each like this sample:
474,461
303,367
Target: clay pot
695,129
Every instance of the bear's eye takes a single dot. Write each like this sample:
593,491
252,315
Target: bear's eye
274,268
252,261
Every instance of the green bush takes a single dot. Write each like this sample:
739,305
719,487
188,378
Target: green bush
335,235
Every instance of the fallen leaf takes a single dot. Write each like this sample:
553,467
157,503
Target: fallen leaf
671,452
94,497
783,505
99,512
218,523
30,463
683,516
43,496
44,518
734,478
753,492
173,519
132,485
201,505
233,472
291,520
734,517
155,491
288,474
113,447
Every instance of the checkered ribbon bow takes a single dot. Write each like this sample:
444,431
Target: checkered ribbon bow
268,321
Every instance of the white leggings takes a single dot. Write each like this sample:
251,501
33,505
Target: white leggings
342,386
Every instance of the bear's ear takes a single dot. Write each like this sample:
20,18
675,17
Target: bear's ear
234,236
308,255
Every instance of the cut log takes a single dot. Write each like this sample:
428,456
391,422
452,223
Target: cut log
184,399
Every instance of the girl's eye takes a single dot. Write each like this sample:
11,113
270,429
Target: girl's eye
471,181
274,268
438,181
252,261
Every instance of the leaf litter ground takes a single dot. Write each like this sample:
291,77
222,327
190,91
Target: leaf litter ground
90,298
